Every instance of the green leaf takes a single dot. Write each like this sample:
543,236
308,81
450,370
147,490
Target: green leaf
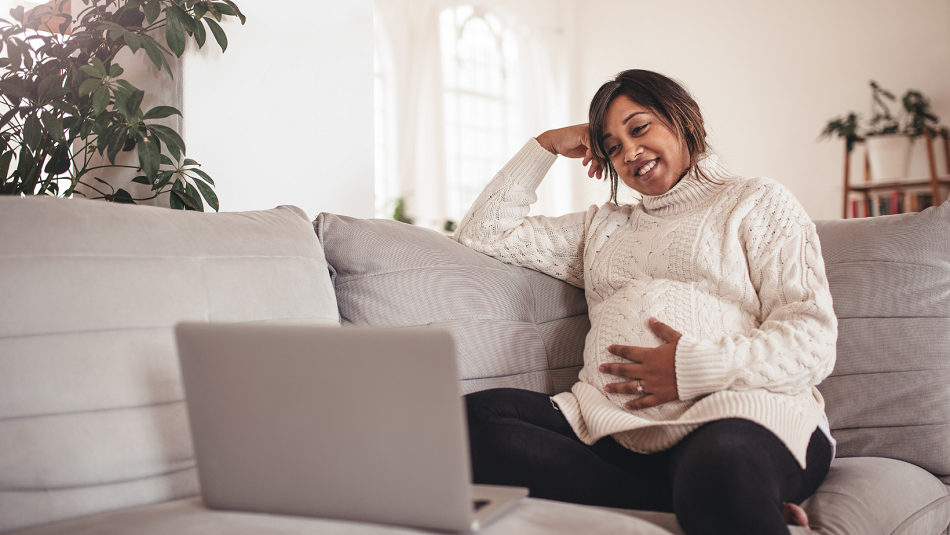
175,201
32,132
191,194
121,196
218,33
167,161
127,87
160,112
13,89
91,71
189,161
121,103
67,20
174,33
149,152
86,129
14,55
142,180
162,180
200,11
48,86
152,10
186,20
168,136
59,160
26,166
89,85
99,66
110,26
200,34
134,42
5,160
116,142
8,116
100,99
203,175
156,53
17,14
208,194
115,70
236,10
173,150
135,102
53,126
183,197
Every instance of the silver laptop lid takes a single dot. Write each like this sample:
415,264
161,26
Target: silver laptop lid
353,423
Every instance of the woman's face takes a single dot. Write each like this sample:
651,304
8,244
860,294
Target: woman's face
648,156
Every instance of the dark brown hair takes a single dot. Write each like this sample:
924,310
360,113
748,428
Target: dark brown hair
666,99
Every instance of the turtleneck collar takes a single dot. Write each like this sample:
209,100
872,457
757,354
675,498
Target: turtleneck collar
689,192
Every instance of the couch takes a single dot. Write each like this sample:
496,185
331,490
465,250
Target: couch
93,433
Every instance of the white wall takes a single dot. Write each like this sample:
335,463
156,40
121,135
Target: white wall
769,75
285,116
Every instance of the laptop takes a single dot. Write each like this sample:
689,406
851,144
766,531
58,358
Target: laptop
351,423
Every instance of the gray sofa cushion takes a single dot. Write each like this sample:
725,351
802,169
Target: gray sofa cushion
875,496
889,394
513,326
92,416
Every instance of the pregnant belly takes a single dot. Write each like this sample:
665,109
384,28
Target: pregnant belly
623,319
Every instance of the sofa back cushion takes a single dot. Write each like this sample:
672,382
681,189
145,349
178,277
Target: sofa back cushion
92,416
889,394
512,326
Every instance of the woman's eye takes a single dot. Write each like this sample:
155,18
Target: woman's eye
612,150
638,129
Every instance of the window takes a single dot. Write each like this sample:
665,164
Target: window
467,101
480,109
386,173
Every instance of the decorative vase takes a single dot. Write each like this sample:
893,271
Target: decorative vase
889,156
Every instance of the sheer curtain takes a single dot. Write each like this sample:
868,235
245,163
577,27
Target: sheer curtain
471,81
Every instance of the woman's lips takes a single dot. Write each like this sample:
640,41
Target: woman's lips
647,170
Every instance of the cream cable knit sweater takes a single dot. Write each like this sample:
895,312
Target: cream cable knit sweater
736,268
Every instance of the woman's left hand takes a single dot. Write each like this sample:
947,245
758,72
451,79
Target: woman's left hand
653,368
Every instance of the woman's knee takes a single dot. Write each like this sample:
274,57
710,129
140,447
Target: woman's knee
732,448
725,481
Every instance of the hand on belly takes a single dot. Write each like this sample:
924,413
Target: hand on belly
651,372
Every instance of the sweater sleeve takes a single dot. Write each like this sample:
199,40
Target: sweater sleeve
793,348
498,224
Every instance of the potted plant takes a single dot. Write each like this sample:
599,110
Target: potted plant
63,98
889,138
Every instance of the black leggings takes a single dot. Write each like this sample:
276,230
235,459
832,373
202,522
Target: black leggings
729,476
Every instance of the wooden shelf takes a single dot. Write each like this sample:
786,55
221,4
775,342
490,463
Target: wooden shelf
870,186
935,182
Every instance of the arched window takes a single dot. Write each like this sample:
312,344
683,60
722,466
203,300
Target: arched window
480,106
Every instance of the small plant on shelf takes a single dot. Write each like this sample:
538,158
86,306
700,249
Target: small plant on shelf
915,117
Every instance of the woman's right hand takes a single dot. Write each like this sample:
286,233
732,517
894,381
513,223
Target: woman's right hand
573,142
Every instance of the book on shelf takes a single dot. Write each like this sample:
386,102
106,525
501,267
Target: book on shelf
897,201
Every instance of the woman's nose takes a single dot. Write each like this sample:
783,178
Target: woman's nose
632,153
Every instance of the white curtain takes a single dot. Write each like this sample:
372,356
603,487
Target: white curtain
411,29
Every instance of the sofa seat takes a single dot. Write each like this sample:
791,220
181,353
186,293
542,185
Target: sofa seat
191,517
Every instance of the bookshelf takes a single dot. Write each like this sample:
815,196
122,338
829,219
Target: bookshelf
896,196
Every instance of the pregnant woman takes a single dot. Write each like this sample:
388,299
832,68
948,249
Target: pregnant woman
711,325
